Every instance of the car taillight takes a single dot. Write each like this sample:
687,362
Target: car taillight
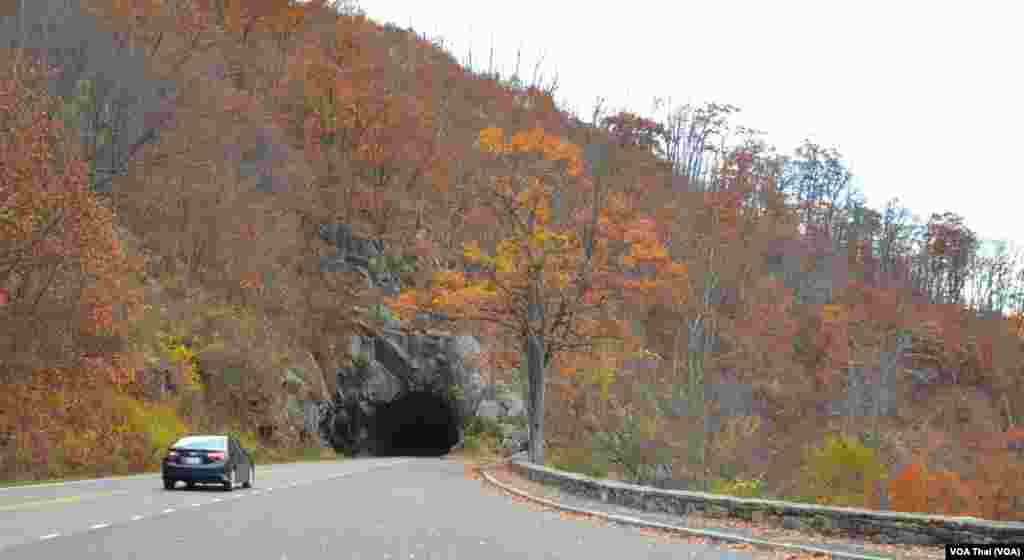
216,455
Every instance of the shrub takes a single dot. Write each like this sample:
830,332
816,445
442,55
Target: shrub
479,425
578,460
158,424
518,421
740,488
360,361
479,444
456,393
471,443
841,472
629,448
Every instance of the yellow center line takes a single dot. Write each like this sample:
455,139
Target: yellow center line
57,501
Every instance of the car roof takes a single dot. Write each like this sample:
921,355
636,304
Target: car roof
197,438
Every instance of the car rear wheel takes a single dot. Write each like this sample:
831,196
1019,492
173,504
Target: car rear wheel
252,478
230,484
168,484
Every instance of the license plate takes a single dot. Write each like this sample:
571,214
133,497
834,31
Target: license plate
192,460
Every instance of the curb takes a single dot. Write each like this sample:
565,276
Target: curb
685,530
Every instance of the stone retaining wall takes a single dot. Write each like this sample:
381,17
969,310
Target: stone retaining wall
892,527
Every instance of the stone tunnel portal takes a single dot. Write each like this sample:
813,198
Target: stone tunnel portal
418,424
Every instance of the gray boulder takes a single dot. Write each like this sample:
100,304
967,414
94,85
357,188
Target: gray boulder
393,365
490,410
513,406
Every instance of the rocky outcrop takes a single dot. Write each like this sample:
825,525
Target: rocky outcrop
392,365
357,254
306,395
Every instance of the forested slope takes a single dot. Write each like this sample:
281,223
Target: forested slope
697,306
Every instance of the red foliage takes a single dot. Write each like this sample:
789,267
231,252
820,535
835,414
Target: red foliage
481,216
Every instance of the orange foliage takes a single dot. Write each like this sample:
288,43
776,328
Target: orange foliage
918,490
993,492
51,222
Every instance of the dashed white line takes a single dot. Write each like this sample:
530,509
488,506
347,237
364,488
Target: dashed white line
168,510
99,526
195,505
136,517
217,499
50,536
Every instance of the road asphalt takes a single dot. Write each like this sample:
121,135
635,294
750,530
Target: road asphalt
372,508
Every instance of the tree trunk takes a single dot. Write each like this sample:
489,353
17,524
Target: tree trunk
695,390
535,375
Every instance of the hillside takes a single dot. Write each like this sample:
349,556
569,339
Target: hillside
713,314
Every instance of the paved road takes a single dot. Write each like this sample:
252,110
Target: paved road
394,508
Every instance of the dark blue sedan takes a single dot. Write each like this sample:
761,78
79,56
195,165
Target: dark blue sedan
214,459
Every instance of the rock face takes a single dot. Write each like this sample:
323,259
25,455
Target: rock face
355,254
392,366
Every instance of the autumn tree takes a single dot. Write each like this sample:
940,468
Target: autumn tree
551,283
111,98
68,291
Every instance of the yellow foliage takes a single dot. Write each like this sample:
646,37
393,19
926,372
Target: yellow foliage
833,312
492,140
471,252
841,472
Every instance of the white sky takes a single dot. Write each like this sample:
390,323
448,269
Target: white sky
924,99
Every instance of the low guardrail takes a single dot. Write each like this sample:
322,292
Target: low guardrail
893,527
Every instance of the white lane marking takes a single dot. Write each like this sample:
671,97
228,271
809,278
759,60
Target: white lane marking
100,526
272,469
217,499
169,510
195,505
136,517
50,536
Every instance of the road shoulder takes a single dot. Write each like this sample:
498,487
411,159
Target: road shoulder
762,538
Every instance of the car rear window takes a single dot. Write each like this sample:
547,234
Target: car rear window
214,443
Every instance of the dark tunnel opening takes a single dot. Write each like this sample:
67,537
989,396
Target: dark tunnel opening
419,424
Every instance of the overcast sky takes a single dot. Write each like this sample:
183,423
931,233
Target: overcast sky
924,99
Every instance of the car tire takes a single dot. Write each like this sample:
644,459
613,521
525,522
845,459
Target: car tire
230,484
252,477
190,485
169,484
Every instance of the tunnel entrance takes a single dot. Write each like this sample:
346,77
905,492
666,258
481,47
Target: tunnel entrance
418,424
